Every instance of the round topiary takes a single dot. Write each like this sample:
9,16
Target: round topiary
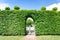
7,8
16,7
54,9
29,22
43,8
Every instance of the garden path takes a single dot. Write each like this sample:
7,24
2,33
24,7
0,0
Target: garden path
31,35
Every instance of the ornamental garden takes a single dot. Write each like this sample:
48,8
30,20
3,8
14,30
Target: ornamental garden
13,22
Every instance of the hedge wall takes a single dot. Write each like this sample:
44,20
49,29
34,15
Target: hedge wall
13,22
48,22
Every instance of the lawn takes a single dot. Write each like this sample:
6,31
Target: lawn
48,37
42,37
11,37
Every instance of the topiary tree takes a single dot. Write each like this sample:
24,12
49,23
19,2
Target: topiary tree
29,22
16,7
7,8
43,8
54,9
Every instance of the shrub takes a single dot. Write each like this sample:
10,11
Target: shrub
43,8
16,7
29,22
7,8
55,9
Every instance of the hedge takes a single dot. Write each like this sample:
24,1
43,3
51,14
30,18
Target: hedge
13,22
48,23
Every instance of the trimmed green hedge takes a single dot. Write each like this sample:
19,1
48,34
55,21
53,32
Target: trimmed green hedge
48,22
13,22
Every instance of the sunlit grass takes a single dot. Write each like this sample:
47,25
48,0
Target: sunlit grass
48,37
42,37
11,37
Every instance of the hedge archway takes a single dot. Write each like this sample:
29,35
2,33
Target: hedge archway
30,27
13,22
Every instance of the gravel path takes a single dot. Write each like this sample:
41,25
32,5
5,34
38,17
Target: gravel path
31,33
30,36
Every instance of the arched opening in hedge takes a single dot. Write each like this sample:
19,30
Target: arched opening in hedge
30,28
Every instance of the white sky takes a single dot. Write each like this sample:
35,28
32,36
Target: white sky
53,5
3,5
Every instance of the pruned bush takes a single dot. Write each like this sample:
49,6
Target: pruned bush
43,8
54,9
29,22
16,7
7,8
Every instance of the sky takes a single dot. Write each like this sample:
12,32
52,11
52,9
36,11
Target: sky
30,4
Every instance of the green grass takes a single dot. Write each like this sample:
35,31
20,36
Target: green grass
48,37
11,37
42,37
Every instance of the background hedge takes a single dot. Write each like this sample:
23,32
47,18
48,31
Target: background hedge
13,22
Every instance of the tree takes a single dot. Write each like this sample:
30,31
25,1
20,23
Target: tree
7,8
16,7
43,8
29,22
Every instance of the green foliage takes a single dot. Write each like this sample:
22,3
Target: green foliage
13,22
43,8
48,22
29,22
16,7
55,9
7,8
